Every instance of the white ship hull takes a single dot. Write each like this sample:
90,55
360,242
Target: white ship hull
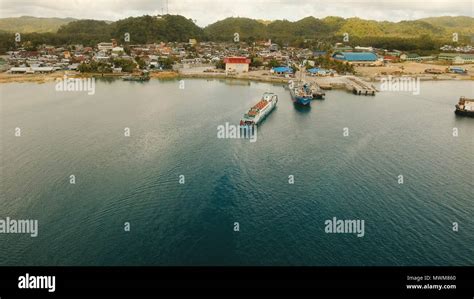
271,102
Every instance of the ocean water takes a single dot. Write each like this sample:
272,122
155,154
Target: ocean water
174,132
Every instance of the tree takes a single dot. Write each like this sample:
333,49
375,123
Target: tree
255,62
141,63
166,63
127,65
220,64
273,63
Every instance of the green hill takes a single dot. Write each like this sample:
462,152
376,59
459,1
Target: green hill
248,29
461,25
310,27
425,34
147,29
28,24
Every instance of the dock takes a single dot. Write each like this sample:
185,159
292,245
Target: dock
359,87
350,83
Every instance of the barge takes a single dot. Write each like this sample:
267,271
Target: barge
465,107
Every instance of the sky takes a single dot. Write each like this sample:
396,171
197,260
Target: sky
205,12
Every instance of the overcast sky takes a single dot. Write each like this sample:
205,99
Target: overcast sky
209,11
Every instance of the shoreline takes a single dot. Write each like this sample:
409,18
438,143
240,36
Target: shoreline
250,77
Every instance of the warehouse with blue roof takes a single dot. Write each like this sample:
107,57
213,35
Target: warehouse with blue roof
357,58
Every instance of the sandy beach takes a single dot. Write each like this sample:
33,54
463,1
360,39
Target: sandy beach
411,68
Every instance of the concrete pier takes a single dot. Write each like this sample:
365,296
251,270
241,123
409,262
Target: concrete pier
359,87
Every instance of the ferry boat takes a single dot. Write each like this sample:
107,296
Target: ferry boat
465,107
260,110
301,93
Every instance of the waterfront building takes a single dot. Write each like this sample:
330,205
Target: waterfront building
236,64
282,70
357,58
31,70
409,57
456,58
391,58
316,71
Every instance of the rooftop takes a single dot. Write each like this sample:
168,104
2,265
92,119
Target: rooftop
355,56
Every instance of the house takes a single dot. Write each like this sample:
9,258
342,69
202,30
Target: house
456,58
318,53
311,63
410,57
342,48
282,70
391,58
31,70
393,53
363,49
101,57
316,71
426,58
73,67
236,64
117,50
357,58
105,46
273,48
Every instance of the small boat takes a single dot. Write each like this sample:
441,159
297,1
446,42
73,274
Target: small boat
318,93
260,110
138,78
465,107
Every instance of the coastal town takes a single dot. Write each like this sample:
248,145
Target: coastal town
190,147
262,60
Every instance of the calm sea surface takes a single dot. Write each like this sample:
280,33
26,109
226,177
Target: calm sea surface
174,132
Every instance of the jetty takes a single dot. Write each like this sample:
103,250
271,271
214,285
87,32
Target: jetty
359,87
350,83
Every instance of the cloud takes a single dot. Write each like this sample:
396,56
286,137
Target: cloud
209,11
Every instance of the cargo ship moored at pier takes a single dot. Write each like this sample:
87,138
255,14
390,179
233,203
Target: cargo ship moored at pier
301,93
